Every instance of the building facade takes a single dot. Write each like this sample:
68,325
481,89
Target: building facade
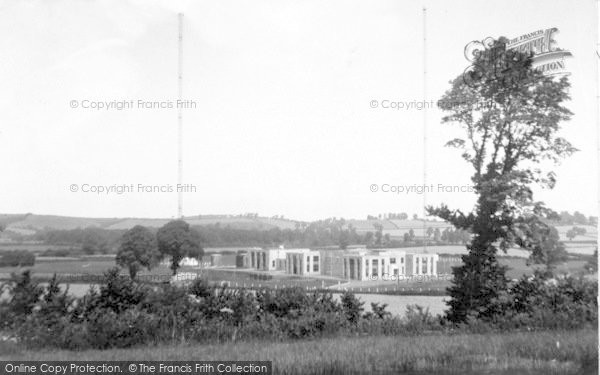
267,259
303,262
355,264
381,264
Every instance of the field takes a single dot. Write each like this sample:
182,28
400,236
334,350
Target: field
532,353
89,269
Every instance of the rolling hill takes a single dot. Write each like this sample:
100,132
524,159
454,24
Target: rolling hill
27,224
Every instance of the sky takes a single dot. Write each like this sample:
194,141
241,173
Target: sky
288,105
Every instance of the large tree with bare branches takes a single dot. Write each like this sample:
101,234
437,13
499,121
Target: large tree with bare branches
510,114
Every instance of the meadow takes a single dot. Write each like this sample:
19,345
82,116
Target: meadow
89,269
532,353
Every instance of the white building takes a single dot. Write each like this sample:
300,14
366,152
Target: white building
267,260
354,264
303,262
374,264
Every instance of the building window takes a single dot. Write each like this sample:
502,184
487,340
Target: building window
424,266
316,263
392,260
374,272
273,264
401,260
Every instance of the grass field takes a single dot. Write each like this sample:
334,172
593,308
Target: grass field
549,352
89,270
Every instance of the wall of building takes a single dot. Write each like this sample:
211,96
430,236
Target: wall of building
332,263
303,263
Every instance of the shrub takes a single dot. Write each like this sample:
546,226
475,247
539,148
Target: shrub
419,319
543,302
282,302
17,258
124,313
118,293
352,307
23,293
107,329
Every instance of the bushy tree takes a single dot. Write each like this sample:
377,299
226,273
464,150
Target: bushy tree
510,114
592,265
138,250
17,258
352,307
177,240
548,250
23,294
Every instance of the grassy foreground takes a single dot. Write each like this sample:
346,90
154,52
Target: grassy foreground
549,352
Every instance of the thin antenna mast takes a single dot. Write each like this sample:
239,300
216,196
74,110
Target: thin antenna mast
180,120
425,187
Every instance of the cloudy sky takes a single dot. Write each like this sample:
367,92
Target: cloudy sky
283,122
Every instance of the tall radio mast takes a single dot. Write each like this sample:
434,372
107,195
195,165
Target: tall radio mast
425,187
180,120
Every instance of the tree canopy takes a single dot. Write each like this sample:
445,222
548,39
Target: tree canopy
137,250
177,240
510,114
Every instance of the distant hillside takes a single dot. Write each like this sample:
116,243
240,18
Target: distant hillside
31,223
25,224
396,227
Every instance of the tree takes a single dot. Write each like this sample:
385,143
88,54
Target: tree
369,238
574,232
579,218
387,239
446,235
437,235
137,250
93,243
510,113
177,240
378,233
592,264
344,240
548,250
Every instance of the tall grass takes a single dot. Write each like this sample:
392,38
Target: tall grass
506,353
